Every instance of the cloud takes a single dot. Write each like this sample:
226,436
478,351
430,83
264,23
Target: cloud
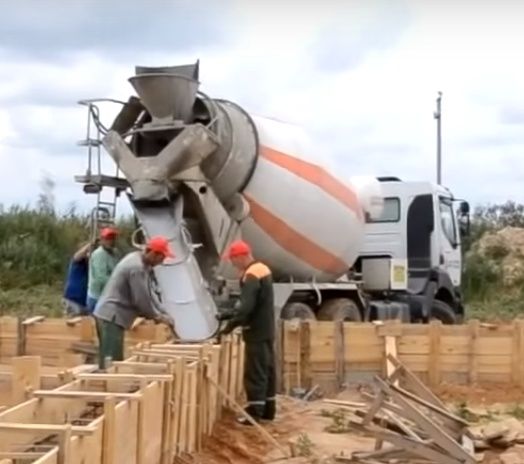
360,77
121,28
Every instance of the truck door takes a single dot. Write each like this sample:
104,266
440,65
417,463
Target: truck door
449,241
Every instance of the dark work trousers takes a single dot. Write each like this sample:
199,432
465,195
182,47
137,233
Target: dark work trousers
110,342
260,379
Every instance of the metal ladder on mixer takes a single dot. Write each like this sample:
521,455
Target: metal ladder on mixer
104,213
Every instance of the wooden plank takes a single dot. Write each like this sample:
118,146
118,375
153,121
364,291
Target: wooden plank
390,349
177,409
85,395
109,455
51,457
305,373
339,351
434,353
26,374
518,353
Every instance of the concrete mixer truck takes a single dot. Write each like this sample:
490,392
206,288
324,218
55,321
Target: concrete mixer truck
203,172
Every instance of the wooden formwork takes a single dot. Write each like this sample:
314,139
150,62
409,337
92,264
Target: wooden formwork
64,342
334,353
159,403
40,455
26,373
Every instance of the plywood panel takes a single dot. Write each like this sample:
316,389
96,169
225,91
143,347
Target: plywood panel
86,449
151,421
126,432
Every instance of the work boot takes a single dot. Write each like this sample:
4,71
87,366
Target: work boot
270,410
254,412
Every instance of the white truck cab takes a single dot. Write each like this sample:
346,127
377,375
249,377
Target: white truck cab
412,252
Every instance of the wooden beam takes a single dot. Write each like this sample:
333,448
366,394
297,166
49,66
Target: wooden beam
126,377
85,395
46,428
33,320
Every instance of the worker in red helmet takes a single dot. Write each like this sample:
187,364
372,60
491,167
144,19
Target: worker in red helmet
256,315
101,264
127,296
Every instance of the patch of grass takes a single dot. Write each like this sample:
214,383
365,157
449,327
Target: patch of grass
517,412
42,300
304,446
465,413
339,424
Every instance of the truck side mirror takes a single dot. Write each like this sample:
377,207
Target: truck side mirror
464,219
464,208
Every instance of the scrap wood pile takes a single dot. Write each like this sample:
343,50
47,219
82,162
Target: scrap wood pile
413,422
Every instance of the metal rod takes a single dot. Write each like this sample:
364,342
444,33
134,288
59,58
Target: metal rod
437,115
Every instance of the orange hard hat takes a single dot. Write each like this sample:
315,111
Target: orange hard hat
160,245
236,249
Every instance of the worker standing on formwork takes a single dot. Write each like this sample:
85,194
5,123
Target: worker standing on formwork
256,315
127,296
101,264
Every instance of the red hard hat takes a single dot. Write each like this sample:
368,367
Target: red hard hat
108,232
160,245
236,249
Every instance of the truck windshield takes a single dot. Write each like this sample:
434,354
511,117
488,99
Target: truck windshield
390,213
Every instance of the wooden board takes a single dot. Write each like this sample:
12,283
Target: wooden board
473,352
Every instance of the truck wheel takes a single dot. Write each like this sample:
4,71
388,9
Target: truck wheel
442,312
297,310
339,309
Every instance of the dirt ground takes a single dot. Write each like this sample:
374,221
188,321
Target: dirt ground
297,422
480,396
304,424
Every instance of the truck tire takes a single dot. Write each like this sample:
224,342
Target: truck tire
339,309
297,310
442,312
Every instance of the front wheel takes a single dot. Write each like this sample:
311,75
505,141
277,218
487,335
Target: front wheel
443,312
340,309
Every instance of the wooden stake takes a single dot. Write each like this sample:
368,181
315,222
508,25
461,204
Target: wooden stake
252,421
434,353
109,446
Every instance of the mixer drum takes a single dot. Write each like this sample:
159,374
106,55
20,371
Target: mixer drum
304,223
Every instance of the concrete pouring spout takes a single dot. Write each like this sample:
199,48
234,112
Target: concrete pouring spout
166,96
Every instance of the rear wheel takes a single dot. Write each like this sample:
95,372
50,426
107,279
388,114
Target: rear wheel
339,309
443,312
297,310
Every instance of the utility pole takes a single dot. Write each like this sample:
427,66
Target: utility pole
437,115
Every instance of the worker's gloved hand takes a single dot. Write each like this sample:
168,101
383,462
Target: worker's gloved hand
225,315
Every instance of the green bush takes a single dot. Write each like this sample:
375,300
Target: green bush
37,244
481,277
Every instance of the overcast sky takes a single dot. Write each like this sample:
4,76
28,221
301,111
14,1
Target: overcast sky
361,76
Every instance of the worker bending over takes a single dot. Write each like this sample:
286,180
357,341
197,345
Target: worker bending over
256,315
127,296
